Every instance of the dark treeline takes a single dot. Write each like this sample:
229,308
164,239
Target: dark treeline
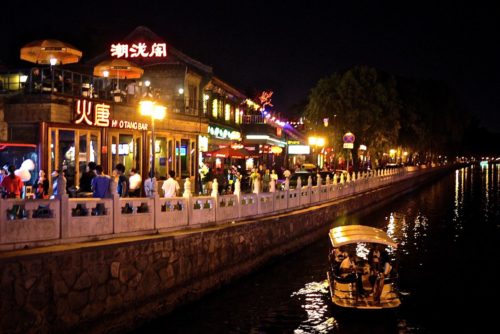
421,116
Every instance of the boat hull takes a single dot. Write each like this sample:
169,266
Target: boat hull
345,296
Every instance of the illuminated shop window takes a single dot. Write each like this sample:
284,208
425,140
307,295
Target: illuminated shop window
237,116
227,112
215,104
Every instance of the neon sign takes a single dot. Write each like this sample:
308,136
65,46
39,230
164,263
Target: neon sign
88,113
98,116
139,50
222,133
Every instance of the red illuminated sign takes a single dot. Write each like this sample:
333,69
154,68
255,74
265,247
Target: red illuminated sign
139,50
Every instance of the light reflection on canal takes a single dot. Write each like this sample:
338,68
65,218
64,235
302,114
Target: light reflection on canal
448,247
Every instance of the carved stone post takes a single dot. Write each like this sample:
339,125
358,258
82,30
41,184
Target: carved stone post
215,188
272,186
187,188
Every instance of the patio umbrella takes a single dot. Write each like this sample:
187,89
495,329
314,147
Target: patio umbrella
118,69
42,51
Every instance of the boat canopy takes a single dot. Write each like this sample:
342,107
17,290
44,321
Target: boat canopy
350,234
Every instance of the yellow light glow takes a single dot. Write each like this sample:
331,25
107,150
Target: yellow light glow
227,112
214,108
317,141
392,151
146,107
159,112
150,108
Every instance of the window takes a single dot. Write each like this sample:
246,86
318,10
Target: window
215,105
237,116
71,150
227,112
15,154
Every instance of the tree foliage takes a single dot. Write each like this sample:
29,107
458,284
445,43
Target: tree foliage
384,112
364,101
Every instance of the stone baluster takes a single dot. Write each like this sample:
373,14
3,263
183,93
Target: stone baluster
327,182
215,188
237,187
309,181
256,187
287,184
187,188
272,186
319,181
299,183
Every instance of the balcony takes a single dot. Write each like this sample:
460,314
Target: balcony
39,84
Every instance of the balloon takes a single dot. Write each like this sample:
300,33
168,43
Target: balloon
28,164
24,174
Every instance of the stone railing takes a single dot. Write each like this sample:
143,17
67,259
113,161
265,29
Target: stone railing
32,223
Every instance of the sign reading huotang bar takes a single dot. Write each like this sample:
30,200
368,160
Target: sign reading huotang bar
139,50
99,114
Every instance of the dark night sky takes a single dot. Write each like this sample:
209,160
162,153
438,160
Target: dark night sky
288,47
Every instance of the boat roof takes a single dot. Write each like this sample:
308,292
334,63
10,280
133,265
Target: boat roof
344,235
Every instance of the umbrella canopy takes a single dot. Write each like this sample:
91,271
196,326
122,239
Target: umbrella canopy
118,69
42,51
229,152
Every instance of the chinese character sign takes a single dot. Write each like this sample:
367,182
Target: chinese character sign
89,114
84,112
139,50
99,114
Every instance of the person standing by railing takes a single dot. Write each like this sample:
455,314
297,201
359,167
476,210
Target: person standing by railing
58,185
12,184
150,185
135,181
123,183
170,186
100,184
42,186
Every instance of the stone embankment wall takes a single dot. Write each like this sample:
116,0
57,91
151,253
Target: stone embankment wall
114,285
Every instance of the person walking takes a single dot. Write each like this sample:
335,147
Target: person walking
12,184
170,186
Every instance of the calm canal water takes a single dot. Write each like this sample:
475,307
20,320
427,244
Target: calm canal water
448,234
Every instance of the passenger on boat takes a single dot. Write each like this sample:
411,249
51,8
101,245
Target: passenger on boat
379,281
349,272
374,257
337,255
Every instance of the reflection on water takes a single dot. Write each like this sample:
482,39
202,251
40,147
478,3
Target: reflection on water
314,296
443,231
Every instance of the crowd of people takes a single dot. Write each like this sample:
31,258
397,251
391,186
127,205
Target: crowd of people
93,183
376,270
259,177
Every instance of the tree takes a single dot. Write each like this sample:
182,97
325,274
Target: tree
365,102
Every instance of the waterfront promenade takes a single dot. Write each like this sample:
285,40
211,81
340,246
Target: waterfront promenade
148,263
34,223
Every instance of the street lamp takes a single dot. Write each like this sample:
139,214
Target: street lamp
316,142
155,111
